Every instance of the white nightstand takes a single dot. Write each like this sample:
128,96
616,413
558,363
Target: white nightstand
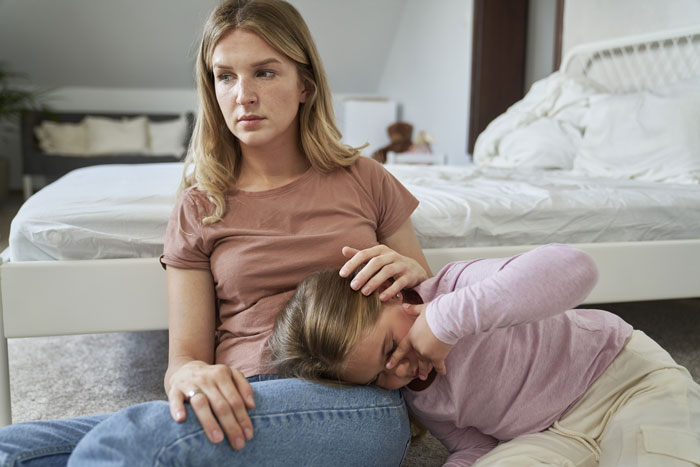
426,158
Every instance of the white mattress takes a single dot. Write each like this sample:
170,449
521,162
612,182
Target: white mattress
98,212
121,211
476,206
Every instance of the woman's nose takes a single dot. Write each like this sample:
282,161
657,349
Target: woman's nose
246,92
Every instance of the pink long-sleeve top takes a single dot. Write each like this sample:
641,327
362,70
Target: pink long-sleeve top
519,360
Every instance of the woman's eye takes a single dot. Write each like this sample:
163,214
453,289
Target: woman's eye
266,74
225,77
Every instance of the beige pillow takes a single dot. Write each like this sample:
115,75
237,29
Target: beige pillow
111,136
62,138
167,137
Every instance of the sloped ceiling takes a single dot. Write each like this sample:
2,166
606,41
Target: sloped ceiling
152,43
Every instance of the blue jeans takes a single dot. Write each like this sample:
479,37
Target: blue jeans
295,423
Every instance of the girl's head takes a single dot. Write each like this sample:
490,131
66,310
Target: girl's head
214,158
328,331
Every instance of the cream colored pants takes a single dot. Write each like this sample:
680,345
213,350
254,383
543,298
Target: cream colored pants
644,410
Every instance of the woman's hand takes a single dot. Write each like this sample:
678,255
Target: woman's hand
421,339
220,397
381,263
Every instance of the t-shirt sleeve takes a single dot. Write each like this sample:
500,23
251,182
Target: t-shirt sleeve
184,238
392,201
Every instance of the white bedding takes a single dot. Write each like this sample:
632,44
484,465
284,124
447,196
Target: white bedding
563,123
120,211
97,212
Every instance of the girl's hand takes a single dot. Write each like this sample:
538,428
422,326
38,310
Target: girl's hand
216,393
421,339
381,263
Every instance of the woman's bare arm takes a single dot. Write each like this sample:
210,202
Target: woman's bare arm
225,393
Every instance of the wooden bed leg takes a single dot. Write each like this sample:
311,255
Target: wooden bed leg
5,410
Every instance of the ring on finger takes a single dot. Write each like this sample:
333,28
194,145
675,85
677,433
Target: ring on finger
192,392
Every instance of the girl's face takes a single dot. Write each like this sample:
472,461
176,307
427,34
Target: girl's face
367,359
258,90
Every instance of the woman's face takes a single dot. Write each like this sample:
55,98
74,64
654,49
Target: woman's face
367,359
258,90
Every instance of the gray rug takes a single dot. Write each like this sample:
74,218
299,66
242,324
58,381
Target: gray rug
54,377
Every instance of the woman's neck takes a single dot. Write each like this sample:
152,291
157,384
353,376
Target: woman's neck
270,168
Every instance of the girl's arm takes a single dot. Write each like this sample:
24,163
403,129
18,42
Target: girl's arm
479,296
399,257
529,287
225,392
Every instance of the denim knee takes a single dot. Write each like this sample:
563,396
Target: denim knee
43,443
294,422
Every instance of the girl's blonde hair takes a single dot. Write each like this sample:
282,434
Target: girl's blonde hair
318,327
213,159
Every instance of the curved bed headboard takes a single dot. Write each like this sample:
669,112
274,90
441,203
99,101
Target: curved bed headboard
636,63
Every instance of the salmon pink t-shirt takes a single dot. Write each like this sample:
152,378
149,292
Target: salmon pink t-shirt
268,241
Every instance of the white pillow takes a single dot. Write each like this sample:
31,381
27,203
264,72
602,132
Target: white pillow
650,135
111,136
62,138
541,130
167,137
543,144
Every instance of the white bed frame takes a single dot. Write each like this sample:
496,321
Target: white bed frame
75,297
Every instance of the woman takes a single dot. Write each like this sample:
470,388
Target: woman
269,195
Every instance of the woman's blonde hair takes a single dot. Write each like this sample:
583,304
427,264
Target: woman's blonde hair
316,330
213,159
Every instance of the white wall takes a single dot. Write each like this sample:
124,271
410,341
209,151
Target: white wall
428,72
596,20
539,56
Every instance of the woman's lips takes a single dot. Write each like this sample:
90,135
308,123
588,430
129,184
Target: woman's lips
250,122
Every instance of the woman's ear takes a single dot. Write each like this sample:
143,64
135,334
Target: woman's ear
306,90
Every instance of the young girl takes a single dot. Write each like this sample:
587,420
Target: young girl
524,382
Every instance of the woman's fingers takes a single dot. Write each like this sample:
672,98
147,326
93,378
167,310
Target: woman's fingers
176,400
244,388
201,405
229,406
378,264
358,258
233,413
394,288
220,397
349,252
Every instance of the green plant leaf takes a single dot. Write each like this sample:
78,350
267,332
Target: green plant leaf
14,100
